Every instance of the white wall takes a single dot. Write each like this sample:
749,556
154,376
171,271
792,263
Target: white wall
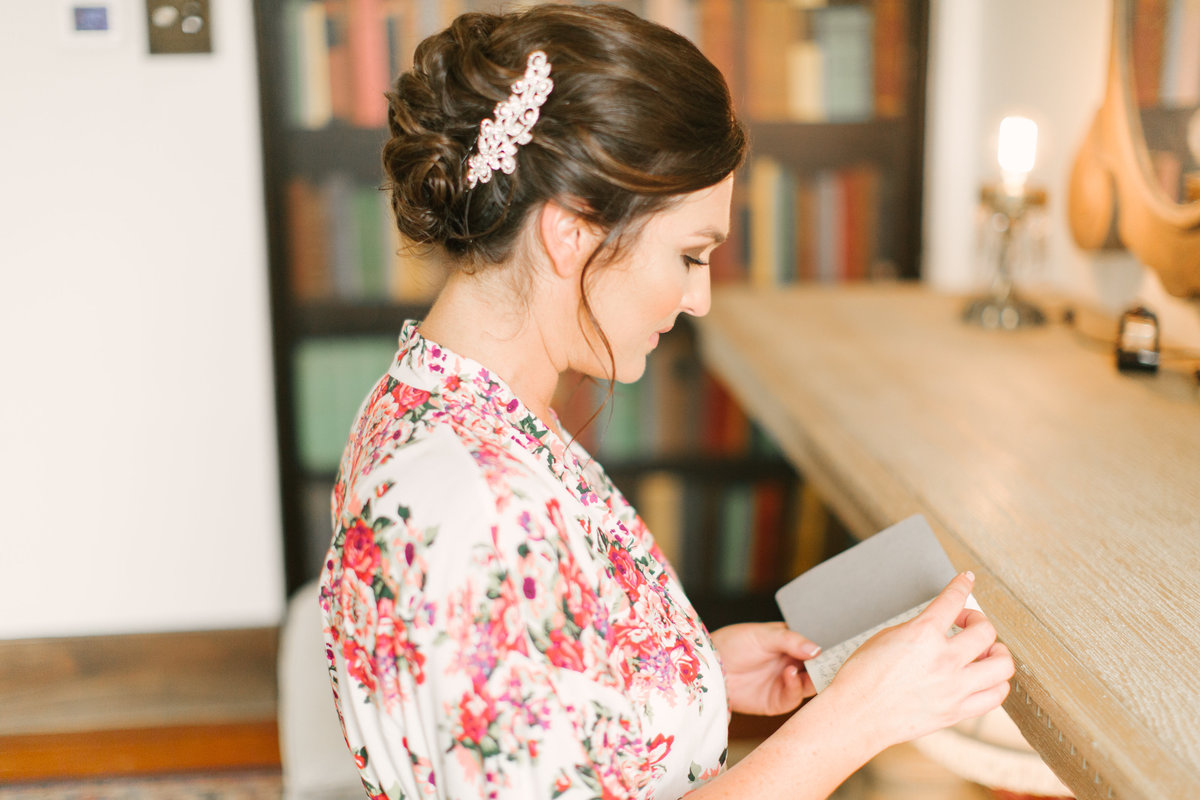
1045,60
137,461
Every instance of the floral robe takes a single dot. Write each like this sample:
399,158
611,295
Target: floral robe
499,622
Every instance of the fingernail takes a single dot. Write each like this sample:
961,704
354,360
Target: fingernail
970,576
811,650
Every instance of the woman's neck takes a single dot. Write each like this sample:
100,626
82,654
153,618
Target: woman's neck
479,316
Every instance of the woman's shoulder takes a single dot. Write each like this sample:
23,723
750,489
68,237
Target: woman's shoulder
442,467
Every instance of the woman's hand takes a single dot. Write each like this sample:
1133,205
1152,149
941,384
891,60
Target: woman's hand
764,667
913,679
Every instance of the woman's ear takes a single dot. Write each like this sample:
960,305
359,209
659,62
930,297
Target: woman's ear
568,238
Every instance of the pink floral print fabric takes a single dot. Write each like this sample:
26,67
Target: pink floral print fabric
499,622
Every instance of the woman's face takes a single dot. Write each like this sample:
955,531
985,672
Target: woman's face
665,273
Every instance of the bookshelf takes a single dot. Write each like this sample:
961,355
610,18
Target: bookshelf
839,155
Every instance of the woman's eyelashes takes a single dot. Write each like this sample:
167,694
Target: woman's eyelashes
694,261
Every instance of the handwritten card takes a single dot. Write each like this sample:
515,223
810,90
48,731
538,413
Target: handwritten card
880,582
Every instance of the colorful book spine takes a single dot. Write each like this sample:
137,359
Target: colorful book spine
845,36
766,178
369,219
307,51
819,62
822,227
769,26
337,192
331,379
767,533
308,252
717,38
805,65
366,36
343,245
828,226
341,70
621,424
660,504
733,562
890,62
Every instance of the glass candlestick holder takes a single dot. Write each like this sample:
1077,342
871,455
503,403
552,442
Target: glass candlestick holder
1008,237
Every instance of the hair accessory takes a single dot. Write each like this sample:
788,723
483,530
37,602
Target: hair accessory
511,123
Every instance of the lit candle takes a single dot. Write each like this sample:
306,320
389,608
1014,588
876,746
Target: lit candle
1018,146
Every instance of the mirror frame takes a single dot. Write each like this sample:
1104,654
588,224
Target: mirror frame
1111,183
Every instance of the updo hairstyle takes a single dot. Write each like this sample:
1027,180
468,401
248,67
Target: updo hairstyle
638,116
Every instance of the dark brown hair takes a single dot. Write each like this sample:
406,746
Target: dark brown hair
637,117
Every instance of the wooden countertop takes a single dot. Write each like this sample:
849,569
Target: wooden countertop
1073,492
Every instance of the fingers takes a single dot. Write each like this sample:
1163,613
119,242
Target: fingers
796,686
968,616
985,682
976,637
984,701
948,606
994,668
992,674
784,640
975,642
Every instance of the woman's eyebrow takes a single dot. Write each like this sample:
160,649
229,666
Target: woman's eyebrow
711,233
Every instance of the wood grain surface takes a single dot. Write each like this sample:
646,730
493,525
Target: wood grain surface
1073,492
138,703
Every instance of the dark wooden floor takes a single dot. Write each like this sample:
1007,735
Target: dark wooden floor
144,703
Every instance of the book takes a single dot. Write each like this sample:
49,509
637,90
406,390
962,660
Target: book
735,545
370,221
400,30
669,406
769,26
810,530
846,38
891,52
827,226
805,208
860,207
805,92
307,243
310,104
882,581
766,185
341,71
660,504
769,500
728,262
337,192
718,40
620,423
366,36
699,511
785,231
332,378
725,426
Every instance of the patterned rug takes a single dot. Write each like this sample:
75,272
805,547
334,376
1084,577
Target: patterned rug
219,786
